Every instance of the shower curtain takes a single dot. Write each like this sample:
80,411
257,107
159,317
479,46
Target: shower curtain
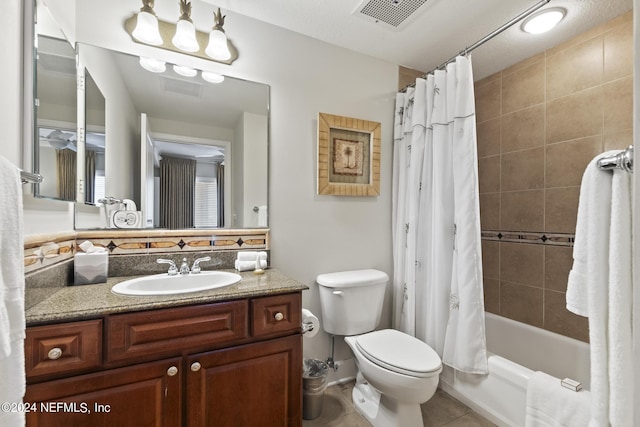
438,292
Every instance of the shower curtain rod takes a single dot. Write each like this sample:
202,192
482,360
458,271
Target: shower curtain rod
485,39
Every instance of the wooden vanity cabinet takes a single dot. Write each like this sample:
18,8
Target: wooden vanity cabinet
235,363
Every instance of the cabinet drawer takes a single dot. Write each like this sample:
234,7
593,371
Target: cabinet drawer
167,332
62,348
276,315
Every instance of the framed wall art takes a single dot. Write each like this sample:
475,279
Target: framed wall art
348,156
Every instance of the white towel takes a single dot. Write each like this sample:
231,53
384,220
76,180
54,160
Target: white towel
249,265
620,335
551,405
599,287
250,255
12,323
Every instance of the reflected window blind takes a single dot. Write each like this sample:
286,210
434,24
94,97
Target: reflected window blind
206,203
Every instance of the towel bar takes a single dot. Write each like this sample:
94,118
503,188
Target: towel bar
31,178
623,160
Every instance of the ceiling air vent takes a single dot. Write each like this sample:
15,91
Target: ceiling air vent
182,87
393,14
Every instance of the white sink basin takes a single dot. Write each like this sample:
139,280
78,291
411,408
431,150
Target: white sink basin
163,284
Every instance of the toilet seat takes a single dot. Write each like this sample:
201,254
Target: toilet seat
399,352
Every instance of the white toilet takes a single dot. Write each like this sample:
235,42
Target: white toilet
397,372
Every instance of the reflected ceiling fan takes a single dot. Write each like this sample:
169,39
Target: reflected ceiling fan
61,140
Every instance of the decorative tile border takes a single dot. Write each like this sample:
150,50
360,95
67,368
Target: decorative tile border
550,239
44,250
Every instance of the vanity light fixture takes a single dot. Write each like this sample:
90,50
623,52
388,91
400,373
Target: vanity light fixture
182,37
544,20
146,30
217,47
153,65
185,71
185,36
212,77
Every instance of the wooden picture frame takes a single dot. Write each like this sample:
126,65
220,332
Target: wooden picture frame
348,156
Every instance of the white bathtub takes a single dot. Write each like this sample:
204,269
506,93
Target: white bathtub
516,351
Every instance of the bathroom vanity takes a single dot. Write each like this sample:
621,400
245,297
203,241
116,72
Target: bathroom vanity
229,357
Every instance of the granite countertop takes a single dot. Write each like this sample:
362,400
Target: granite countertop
44,305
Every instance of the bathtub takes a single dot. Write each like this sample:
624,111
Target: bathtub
516,350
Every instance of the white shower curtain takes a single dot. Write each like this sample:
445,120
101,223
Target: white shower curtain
438,293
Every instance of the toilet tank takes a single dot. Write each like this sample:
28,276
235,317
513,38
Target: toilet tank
351,301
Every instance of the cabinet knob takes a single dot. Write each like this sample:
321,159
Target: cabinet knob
54,353
278,316
172,371
195,366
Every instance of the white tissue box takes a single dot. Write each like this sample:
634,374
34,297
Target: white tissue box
90,268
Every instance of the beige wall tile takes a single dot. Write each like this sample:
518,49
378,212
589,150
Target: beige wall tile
522,210
490,211
522,303
522,263
575,116
489,137
617,44
489,174
524,64
575,69
560,320
523,129
580,38
561,209
618,140
557,264
566,161
490,259
488,100
522,170
407,76
491,295
492,78
618,105
523,88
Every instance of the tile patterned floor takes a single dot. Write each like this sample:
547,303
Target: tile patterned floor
441,410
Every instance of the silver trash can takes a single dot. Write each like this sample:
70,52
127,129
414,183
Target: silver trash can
314,383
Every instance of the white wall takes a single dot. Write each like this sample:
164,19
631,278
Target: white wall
311,234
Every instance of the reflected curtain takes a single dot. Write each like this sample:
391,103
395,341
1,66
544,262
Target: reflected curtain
177,192
90,176
66,170
220,185
438,289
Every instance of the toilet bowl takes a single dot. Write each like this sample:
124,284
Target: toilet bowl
396,372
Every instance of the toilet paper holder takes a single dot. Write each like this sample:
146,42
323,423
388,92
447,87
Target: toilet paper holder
307,327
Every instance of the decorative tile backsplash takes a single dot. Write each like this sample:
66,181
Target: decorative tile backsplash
45,250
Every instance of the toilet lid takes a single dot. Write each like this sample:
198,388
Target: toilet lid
399,352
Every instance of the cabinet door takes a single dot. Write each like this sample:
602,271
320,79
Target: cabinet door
257,384
142,395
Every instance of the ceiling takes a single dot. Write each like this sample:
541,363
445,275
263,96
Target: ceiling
438,30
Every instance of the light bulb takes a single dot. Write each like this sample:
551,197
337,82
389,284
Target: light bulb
153,65
212,77
217,47
185,71
185,37
146,30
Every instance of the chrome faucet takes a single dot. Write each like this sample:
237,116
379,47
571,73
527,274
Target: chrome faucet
173,270
184,267
195,268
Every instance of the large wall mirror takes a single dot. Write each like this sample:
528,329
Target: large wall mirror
178,150
55,134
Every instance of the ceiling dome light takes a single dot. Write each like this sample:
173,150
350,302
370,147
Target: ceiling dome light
544,20
212,77
185,37
153,65
146,30
185,71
